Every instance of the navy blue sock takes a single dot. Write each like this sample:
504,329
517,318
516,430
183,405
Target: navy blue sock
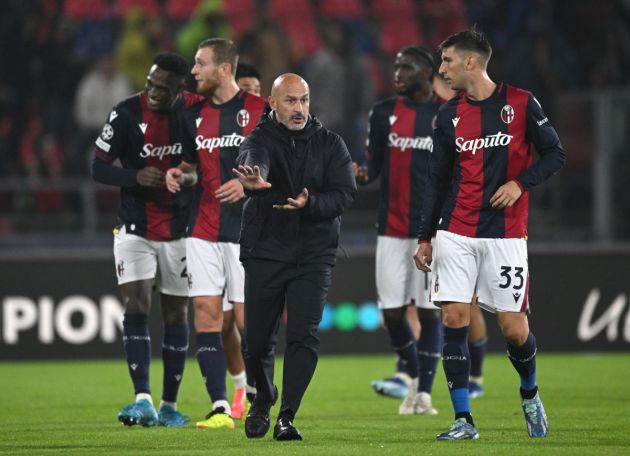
174,351
429,346
212,364
405,345
456,362
523,359
477,352
400,365
137,350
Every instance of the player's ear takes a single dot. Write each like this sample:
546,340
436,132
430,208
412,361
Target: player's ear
226,68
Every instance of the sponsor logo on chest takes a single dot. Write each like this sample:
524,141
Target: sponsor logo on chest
404,143
487,142
212,143
149,150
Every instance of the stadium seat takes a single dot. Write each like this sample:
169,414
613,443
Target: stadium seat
381,86
389,9
150,7
180,10
397,33
446,17
334,9
85,9
305,34
283,11
240,14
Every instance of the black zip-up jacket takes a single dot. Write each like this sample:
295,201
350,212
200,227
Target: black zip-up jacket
312,158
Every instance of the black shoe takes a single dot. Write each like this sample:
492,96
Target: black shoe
284,430
257,420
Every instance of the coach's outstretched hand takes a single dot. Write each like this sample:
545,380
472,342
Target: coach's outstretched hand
294,203
250,178
150,177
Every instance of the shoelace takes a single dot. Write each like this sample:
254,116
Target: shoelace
216,411
457,425
531,409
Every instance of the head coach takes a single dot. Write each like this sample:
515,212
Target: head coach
298,176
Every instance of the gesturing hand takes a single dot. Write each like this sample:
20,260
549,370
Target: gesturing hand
506,195
230,192
294,203
250,177
150,177
424,256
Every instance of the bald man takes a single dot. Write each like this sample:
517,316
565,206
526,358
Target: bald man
299,178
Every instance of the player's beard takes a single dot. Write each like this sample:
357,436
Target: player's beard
410,89
207,86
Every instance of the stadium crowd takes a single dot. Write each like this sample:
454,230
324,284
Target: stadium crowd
66,62
57,52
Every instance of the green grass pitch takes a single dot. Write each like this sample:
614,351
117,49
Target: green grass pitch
70,408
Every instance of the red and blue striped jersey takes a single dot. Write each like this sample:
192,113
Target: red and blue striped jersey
140,137
215,134
479,146
398,149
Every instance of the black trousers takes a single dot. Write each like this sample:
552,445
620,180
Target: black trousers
269,287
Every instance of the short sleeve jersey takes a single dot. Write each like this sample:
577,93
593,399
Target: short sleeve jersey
140,137
398,149
215,134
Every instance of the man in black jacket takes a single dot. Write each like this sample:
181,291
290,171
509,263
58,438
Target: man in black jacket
299,180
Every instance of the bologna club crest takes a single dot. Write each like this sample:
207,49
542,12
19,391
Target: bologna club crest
507,114
242,118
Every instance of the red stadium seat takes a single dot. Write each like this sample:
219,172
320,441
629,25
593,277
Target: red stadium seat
150,7
180,10
335,9
290,10
240,14
85,9
381,86
305,34
447,17
398,33
388,9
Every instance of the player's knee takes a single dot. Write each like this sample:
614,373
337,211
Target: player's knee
174,310
137,305
514,332
207,311
176,316
515,336
454,319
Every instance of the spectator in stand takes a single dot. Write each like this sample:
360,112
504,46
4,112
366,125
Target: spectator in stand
338,76
93,102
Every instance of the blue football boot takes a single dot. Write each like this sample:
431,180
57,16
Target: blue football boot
141,412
